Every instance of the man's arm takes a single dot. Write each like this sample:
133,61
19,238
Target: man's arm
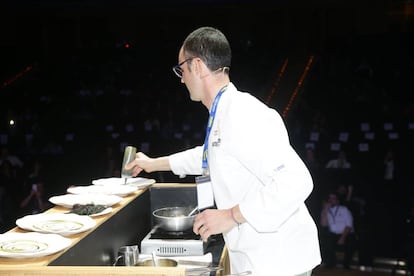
148,164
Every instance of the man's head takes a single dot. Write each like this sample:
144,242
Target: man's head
203,64
210,45
333,199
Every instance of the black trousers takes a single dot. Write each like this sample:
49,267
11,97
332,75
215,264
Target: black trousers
329,247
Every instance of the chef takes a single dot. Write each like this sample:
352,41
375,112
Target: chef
258,181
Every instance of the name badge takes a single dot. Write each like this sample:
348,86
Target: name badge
205,195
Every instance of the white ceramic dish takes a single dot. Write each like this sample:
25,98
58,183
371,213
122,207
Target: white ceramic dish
31,244
139,182
68,200
56,223
119,190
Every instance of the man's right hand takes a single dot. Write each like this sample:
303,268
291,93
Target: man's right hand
148,164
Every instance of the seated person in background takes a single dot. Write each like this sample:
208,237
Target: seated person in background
35,201
340,162
337,220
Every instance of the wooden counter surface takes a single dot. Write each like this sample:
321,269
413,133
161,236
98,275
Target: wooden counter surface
91,271
40,265
45,260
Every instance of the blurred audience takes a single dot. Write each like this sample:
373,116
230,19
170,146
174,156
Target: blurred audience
15,162
7,186
97,93
35,201
337,232
340,162
33,197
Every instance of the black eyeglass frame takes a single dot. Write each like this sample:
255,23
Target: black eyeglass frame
177,68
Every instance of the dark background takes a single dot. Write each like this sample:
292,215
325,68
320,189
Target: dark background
74,75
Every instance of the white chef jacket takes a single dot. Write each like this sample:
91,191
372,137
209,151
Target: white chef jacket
252,163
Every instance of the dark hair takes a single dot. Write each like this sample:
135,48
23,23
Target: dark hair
210,45
339,197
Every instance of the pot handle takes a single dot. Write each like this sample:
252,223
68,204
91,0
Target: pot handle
244,273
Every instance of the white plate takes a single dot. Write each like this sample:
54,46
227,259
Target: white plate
29,245
139,182
69,200
56,223
119,190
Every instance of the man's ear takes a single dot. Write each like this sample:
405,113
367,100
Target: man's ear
198,67
201,68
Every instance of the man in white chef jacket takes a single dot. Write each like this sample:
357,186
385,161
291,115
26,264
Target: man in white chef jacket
258,181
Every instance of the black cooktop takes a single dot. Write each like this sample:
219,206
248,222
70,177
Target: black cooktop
174,235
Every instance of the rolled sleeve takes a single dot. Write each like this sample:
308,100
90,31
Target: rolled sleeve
187,162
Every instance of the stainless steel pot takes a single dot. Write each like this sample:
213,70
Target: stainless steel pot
174,218
159,262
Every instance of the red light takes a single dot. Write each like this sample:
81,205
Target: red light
127,45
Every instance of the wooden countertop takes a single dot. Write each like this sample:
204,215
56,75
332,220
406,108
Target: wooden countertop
91,271
45,260
40,265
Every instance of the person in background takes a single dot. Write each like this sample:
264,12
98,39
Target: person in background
340,162
259,182
34,200
16,163
362,222
389,166
7,184
344,193
337,220
312,162
14,160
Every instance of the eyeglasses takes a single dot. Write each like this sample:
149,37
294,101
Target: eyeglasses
178,70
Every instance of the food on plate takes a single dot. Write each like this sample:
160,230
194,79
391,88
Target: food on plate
87,209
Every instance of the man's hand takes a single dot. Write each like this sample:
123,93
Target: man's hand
139,164
144,163
212,221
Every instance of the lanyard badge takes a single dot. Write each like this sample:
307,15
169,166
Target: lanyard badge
208,130
205,194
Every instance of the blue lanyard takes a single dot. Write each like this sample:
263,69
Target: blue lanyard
209,125
333,215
